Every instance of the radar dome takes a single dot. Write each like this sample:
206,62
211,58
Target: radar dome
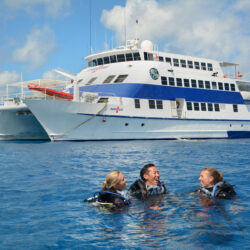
147,45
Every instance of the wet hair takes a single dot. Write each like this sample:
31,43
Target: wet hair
215,174
144,170
111,180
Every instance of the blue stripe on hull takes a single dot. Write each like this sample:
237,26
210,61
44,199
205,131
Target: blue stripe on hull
238,134
149,91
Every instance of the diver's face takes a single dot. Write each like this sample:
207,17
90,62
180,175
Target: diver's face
206,179
121,184
152,176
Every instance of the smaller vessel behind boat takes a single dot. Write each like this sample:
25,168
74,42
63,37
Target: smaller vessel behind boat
16,120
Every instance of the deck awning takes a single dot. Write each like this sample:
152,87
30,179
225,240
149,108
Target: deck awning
227,64
41,82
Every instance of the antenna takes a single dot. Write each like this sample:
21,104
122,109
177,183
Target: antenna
90,28
125,35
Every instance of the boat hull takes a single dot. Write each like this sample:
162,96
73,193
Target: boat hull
93,121
18,123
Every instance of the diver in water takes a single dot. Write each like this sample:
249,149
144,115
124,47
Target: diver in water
112,194
149,184
212,184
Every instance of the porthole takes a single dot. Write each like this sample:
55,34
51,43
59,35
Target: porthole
126,124
142,124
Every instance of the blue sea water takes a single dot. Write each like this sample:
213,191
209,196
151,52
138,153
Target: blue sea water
43,185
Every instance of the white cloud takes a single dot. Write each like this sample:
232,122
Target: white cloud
213,29
37,49
8,77
54,8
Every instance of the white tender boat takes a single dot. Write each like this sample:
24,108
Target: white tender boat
139,93
16,120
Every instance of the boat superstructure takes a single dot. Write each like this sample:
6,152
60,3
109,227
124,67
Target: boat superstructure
16,120
137,92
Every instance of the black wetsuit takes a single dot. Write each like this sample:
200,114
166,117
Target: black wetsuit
109,198
222,190
141,191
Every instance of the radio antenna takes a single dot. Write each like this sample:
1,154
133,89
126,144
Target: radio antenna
90,28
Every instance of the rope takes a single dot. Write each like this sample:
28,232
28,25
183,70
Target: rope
79,125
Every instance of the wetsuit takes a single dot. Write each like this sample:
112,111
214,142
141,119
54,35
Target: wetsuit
222,190
140,190
110,199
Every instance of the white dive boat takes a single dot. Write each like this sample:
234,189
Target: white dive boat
16,120
140,93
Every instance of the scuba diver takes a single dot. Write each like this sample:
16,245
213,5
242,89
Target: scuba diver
149,184
212,184
112,195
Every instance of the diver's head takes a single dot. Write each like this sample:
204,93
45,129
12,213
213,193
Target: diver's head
114,180
150,175
209,177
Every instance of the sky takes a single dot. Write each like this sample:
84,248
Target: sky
38,36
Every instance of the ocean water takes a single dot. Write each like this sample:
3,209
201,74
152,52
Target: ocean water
43,185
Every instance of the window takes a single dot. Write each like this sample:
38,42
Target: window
113,59
109,79
161,59
137,104
226,86
168,59
210,107
201,84
196,106
214,85
179,82
220,85
150,57
171,81
235,107
103,100
197,65
183,63
137,56
190,64
203,106
186,83
121,78
207,84
151,104
176,62
164,80
232,87
99,61
129,57
203,66
209,67
91,80
216,107
189,105
120,58
193,83
106,60
159,104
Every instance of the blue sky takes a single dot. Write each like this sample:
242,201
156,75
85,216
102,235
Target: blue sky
38,36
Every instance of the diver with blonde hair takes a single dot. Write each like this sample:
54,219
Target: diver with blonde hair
112,194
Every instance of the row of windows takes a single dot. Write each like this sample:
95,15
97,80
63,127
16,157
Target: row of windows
207,106
203,106
196,106
181,62
179,82
110,78
150,56
115,58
